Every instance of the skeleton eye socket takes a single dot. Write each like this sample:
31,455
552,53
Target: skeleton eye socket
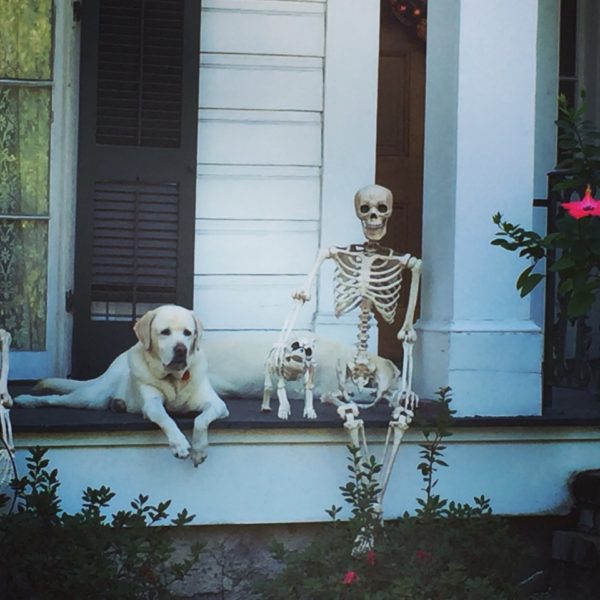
165,332
382,208
308,352
364,209
295,345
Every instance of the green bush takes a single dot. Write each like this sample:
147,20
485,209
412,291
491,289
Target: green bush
445,551
46,553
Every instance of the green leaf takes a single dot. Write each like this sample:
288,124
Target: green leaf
580,303
562,264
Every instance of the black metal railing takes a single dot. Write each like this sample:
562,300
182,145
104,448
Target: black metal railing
571,346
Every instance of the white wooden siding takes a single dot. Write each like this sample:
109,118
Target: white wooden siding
259,159
277,192
256,137
235,81
254,247
222,301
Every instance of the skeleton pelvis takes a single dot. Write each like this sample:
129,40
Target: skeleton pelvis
358,379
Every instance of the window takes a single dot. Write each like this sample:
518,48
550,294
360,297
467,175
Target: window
25,117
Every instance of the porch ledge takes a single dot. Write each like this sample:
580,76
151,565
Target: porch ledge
245,415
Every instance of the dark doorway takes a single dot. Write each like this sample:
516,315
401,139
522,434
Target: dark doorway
400,137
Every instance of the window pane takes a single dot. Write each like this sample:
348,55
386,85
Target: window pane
24,150
26,39
23,258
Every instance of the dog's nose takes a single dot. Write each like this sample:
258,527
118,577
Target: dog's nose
179,352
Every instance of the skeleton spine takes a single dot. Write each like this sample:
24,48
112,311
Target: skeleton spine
364,325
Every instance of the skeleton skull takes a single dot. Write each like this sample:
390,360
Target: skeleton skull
373,205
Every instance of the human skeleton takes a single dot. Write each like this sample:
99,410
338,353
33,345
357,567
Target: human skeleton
368,276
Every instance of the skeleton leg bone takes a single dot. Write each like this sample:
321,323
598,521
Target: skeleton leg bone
309,407
400,422
284,410
267,390
355,428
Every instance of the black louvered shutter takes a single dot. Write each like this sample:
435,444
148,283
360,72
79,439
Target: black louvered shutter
136,171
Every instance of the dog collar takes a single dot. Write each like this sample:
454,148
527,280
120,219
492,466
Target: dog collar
185,376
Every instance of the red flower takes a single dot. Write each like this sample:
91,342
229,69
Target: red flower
423,555
371,558
586,207
350,577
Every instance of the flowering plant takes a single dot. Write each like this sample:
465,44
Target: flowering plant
576,242
435,553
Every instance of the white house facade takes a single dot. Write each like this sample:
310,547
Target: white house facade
287,133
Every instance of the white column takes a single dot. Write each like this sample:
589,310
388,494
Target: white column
349,132
476,334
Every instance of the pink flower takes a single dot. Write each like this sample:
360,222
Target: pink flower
371,558
423,555
586,207
350,577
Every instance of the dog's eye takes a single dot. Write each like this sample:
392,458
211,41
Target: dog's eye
308,352
187,332
295,346
165,332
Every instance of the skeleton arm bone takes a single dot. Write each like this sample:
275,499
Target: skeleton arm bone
407,332
303,294
408,336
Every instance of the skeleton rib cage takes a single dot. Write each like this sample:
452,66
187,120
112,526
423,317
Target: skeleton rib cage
361,276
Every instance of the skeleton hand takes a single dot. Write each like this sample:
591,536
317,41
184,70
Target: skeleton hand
408,399
407,334
302,295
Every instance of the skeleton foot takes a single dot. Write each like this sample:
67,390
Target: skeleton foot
309,413
266,402
283,412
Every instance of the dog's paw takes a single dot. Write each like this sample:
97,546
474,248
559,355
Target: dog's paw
180,447
198,456
284,412
309,413
25,401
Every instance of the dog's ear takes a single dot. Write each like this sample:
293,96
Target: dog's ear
143,329
197,333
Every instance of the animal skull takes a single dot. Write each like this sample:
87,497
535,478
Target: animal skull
297,358
373,205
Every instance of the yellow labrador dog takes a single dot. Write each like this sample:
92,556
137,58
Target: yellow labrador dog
165,370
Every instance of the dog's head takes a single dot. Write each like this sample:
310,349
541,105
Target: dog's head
171,334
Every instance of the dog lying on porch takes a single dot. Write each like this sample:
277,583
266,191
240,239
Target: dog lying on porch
165,370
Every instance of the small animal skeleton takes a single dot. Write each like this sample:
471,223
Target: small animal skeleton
368,276
290,359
